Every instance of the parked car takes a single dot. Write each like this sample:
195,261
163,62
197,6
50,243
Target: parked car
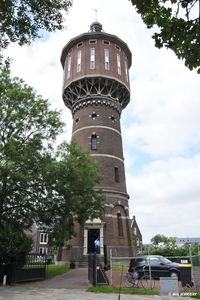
160,266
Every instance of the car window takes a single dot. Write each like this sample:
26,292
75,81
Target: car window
139,262
154,261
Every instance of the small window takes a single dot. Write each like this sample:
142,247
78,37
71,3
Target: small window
119,223
112,118
70,51
116,174
43,251
79,61
92,41
106,42
117,47
107,66
77,120
94,142
69,67
79,44
94,115
118,64
92,58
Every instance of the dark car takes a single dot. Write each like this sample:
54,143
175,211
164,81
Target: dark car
159,266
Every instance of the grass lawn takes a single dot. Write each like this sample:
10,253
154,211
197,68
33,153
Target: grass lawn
54,270
128,291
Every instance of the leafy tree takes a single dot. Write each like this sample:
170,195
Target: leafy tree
177,26
22,21
53,186
158,238
14,246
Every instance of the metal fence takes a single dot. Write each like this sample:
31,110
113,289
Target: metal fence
182,260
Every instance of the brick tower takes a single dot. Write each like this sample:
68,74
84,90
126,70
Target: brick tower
96,89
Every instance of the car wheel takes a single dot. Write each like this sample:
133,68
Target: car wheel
173,274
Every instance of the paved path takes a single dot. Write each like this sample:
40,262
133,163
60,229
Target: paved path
69,286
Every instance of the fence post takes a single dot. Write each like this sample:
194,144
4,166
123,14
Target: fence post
111,269
192,269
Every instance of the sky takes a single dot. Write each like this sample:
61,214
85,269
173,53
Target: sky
160,126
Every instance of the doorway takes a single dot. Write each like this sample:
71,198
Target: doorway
93,234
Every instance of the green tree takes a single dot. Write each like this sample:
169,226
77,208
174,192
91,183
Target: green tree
14,246
53,186
23,21
158,238
177,26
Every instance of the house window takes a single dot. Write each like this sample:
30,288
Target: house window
43,238
79,61
92,58
43,251
106,42
126,70
116,174
106,51
69,67
118,64
119,224
94,142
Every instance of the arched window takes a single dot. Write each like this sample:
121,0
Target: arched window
106,51
92,58
69,67
79,61
94,142
118,64
119,224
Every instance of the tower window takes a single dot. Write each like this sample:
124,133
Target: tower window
119,224
126,70
92,58
70,51
106,42
106,51
94,115
79,44
118,64
69,67
77,120
92,41
116,174
94,142
79,61
112,118
117,47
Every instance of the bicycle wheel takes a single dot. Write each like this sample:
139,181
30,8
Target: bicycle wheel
147,283
128,280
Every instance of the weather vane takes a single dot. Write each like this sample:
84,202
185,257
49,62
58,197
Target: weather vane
95,14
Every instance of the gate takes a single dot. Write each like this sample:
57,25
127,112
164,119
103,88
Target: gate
34,269
96,272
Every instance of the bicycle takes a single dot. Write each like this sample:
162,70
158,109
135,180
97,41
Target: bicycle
131,279
146,280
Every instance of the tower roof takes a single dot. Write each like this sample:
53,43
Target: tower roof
96,27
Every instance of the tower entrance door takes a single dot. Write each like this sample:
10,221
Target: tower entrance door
93,234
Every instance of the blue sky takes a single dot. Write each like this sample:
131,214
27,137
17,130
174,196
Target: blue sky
160,126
